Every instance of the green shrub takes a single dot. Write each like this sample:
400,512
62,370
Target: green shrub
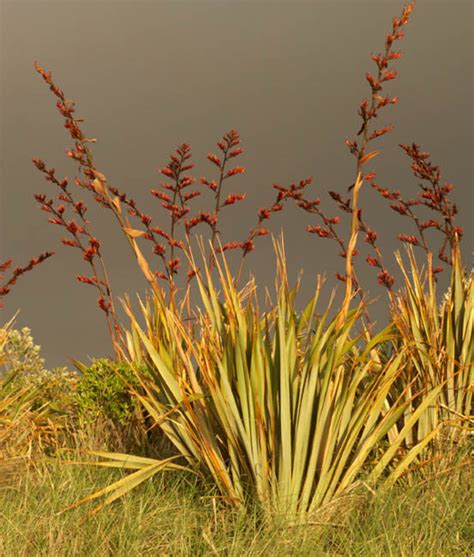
98,391
93,404
106,413
103,392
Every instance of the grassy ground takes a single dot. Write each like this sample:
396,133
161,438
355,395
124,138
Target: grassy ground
169,516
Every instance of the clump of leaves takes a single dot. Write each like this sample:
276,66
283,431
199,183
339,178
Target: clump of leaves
106,410
438,342
103,391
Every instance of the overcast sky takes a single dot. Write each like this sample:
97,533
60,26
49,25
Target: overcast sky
148,76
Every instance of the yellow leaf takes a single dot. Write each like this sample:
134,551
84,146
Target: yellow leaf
99,187
133,232
116,203
99,175
143,263
368,157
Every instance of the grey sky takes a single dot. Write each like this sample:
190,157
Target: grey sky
148,76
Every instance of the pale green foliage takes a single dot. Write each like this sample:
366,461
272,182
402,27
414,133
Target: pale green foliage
21,354
21,357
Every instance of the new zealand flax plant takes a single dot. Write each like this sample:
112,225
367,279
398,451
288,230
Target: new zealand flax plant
288,409
281,407
438,343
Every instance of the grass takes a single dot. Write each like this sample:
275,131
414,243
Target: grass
169,516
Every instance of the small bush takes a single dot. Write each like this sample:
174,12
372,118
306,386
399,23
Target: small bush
106,413
103,392
96,403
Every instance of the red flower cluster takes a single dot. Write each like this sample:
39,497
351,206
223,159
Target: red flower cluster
383,74
233,198
294,191
321,232
90,246
385,279
18,271
228,145
432,195
372,261
368,111
408,239
246,246
370,237
202,217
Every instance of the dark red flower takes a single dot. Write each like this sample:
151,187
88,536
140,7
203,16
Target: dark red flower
372,262
408,239
385,279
